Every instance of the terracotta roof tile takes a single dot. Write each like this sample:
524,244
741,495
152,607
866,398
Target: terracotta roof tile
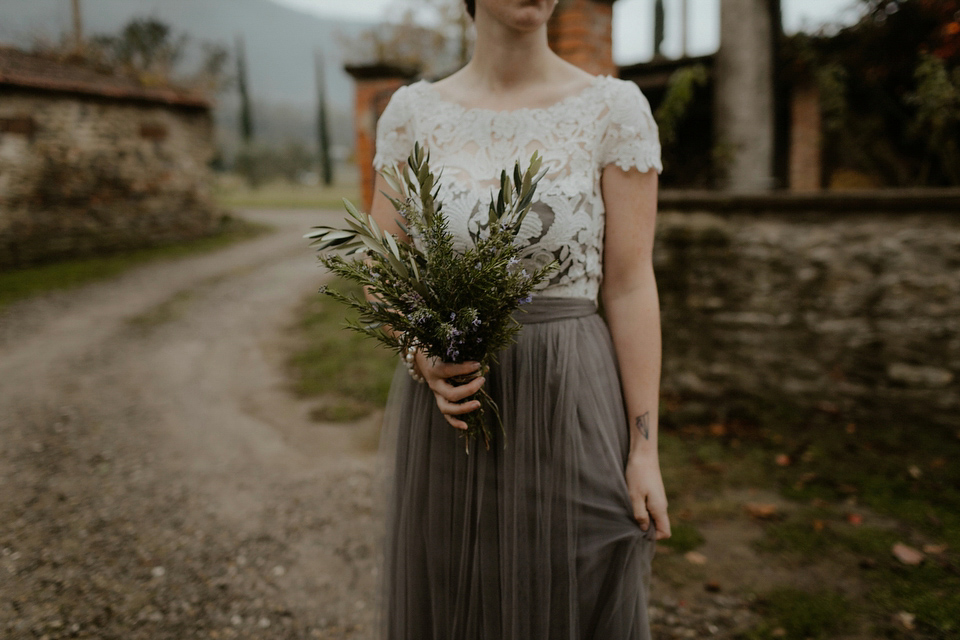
22,69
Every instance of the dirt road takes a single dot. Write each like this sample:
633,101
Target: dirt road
157,480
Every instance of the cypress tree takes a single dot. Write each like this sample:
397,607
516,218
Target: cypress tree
323,136
246,113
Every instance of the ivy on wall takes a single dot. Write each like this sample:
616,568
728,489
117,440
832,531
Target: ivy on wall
890,92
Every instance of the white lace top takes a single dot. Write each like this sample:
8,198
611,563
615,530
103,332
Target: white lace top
607,122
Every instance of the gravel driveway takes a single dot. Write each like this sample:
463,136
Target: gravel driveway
157,480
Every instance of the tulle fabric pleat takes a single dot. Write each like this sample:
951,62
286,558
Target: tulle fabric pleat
533,539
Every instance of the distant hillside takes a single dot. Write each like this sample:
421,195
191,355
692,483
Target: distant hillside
279,41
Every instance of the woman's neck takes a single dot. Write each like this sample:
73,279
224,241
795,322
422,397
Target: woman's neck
505,59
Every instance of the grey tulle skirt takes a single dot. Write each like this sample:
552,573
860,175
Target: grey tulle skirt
533,539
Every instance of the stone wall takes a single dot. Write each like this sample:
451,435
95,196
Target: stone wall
855,315
82,175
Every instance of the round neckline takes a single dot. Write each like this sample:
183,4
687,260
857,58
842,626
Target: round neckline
595,82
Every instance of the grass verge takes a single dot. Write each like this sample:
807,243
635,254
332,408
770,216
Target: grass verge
349,372
794,613
231,192
18,284
852,493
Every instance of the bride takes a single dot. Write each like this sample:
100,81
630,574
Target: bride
549,535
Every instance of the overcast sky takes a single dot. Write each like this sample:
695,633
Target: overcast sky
633,20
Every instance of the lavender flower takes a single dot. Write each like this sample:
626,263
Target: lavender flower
525,300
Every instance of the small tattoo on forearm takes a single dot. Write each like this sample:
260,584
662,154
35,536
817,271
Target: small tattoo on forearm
643,425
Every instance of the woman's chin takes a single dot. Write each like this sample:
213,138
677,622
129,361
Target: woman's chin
523,15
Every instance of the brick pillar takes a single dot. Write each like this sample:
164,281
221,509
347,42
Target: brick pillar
805,138
374,84
581,32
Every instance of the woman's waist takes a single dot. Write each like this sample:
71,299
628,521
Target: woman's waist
551,308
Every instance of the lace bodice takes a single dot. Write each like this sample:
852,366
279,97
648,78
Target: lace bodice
608,122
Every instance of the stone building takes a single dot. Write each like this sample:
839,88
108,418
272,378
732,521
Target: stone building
92,162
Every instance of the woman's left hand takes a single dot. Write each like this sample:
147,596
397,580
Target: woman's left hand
645,485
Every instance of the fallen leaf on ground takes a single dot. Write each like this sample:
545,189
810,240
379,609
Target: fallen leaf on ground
782,459
907,554
934,548
914,471
904,619
695,557
760,511
828,407
855,519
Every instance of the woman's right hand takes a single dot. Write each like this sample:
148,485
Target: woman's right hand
449,397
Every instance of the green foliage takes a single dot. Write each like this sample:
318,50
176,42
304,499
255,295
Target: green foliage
683,537
680,92
832,82
243,84
455,305
344,368
936,122
323,133
152,51
145,45
889,87
794,614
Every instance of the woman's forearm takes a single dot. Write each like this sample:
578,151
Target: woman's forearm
633,315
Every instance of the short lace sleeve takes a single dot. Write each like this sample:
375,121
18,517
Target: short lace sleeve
394,136
632,138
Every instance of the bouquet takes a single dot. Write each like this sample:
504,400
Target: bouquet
454,305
